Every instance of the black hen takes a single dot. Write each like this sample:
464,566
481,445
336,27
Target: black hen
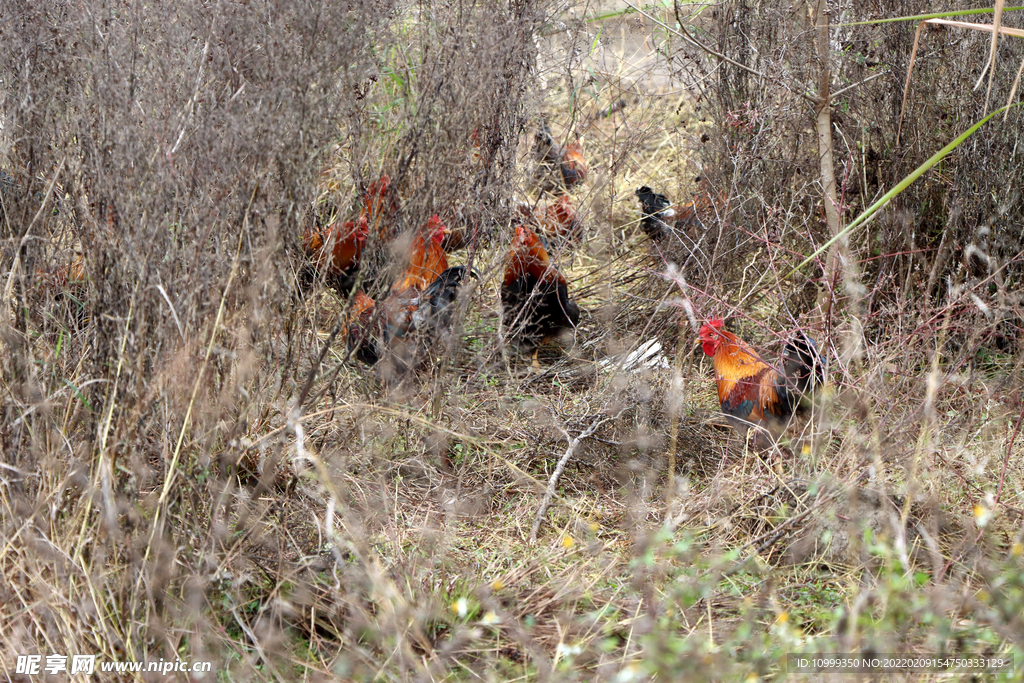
802,366
661,219
658,212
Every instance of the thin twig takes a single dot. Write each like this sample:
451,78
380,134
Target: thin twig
848,88
772,536
560,467
172,468
1009,451
678,381
687,36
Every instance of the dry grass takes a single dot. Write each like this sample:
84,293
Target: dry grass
190,471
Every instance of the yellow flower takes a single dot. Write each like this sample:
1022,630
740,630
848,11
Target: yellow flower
497,585
461,607
1017,549
982,515
782,618
567,542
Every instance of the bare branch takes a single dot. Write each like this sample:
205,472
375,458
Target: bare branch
560,467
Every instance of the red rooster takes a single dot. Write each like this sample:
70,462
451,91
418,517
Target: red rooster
358,329
335,250
379,203
534,295
751,392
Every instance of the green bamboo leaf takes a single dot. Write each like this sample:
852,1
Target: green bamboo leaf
80,396
935,15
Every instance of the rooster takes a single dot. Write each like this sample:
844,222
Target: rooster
751,392
556,221
659,216
379,204
534,295
419,305
561,168
358,329
689,234
425,312
408,322
461,237
420,328
336,249
427,259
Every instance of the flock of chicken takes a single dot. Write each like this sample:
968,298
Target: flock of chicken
413,310
420,303
418,307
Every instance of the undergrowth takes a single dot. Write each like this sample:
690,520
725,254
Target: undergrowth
195,468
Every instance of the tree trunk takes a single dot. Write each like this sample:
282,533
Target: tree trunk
837,254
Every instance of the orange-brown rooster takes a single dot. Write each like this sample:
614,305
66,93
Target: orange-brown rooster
379,203
558,220
561,167
534,295
751,392
427,259
359,329
336,249
463,236
418,308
